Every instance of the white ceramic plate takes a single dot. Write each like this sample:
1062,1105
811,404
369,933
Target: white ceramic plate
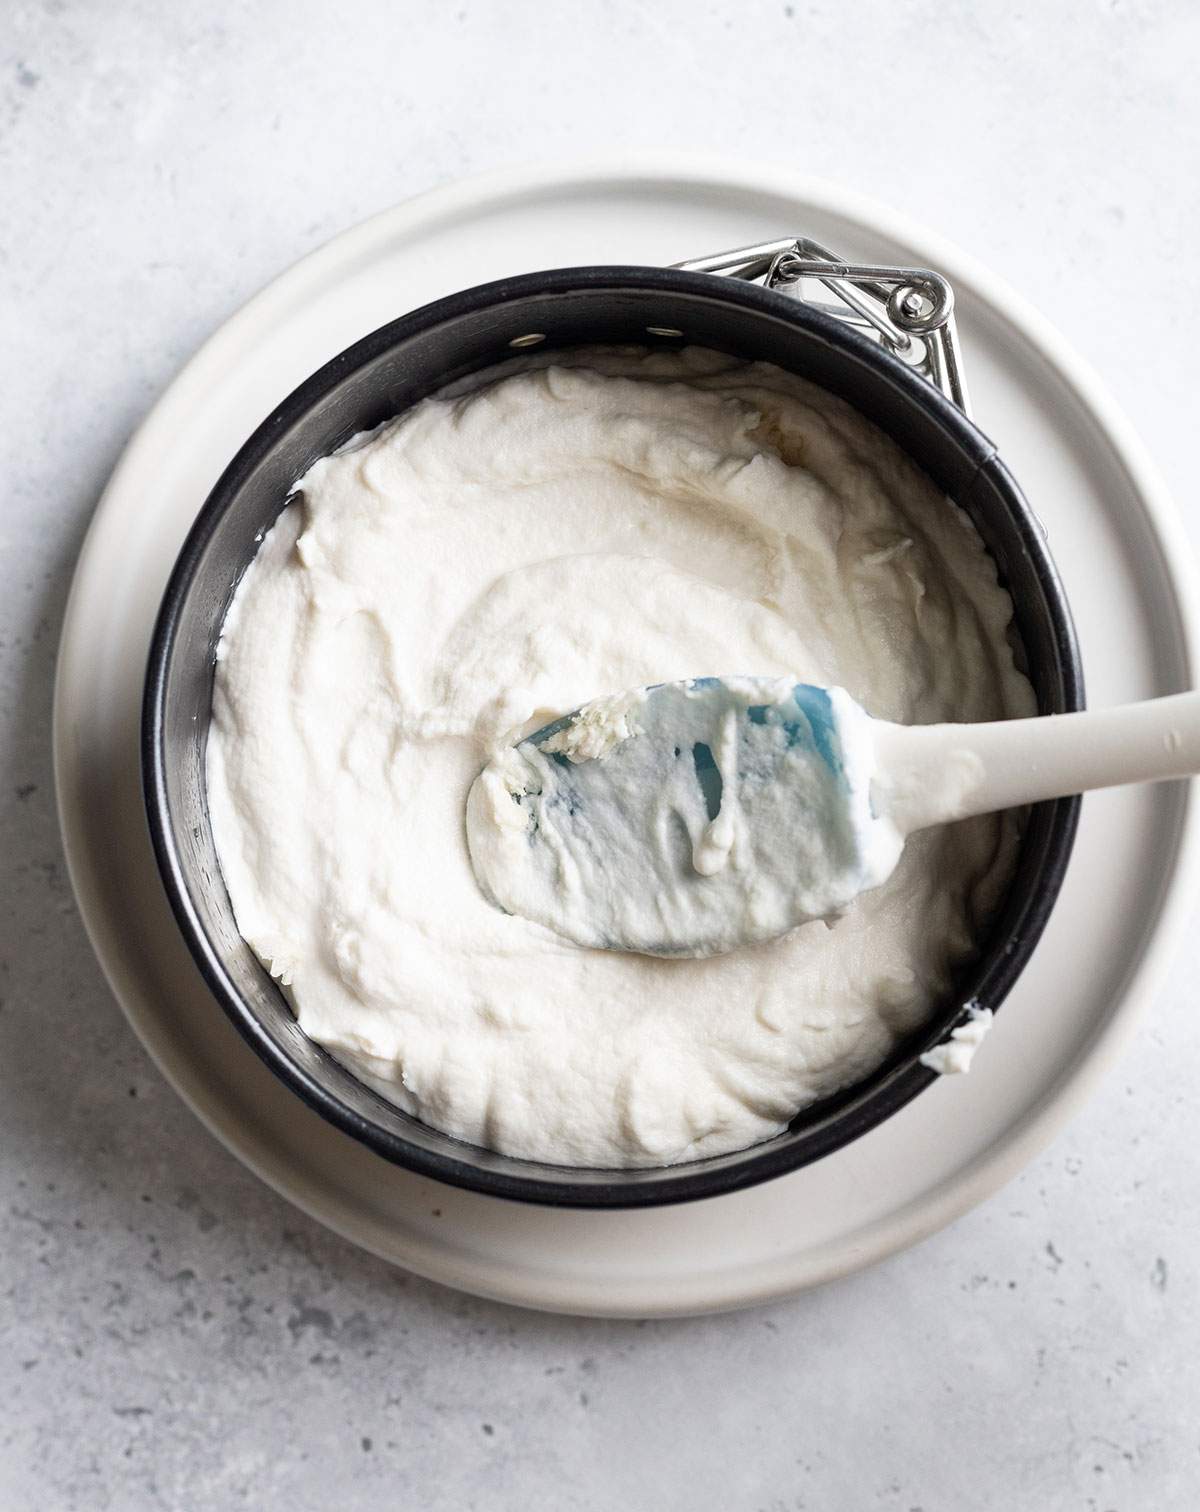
1126,570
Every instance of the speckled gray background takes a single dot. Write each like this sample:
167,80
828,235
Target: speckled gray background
174,1335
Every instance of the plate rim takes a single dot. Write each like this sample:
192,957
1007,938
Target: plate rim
1030,1133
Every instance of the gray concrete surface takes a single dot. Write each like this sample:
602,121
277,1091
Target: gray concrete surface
174,1335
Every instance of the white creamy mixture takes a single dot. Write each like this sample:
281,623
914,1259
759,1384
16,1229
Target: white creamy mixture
488,562
953,1056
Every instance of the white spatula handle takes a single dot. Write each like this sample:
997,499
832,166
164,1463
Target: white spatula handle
929,774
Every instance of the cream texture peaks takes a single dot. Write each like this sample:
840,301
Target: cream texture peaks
499,556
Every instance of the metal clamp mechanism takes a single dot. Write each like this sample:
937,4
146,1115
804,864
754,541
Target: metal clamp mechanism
910,310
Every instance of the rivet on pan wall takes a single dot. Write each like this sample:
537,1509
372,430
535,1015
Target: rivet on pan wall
662,331
531,340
